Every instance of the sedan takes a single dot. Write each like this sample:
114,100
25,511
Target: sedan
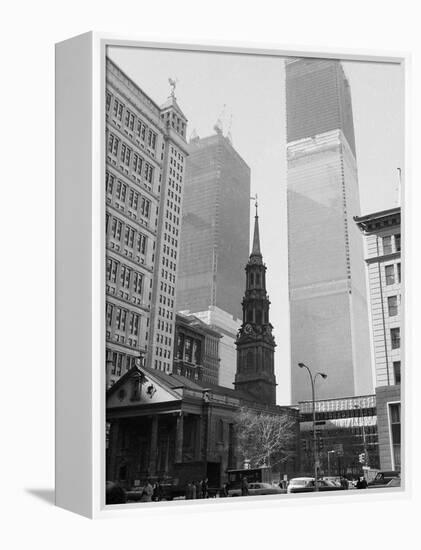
258,488
306,485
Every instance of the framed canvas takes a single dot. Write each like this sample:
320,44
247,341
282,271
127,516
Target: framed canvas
230,298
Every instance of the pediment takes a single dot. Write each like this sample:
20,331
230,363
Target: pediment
139,388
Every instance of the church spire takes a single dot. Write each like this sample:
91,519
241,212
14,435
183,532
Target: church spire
255,251
255,343
256,238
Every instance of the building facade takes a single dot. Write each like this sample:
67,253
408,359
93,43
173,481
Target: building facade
169,427
255,342
345,429
145,169
215,226
327,287
196,349
382,234
225,324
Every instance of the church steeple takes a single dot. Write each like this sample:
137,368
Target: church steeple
255,342
255,251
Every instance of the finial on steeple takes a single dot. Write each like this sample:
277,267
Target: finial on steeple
255,251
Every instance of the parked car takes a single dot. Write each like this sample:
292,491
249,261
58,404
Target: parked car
258,488
306,485
383,479
134,494
338,480
395,482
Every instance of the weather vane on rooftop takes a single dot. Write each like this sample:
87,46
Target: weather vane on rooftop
173,84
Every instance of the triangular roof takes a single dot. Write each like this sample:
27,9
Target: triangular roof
151,390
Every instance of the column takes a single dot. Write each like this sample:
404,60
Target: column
113,450
198,439
153,449
179,438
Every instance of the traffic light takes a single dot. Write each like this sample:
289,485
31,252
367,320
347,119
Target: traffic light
361,458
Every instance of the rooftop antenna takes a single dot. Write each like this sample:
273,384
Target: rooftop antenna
229,136
399,186
219,123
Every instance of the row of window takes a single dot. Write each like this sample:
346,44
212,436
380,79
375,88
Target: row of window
391,245
391,275
172,217
167,288
175,122
168,263
392,305
164,325
165,353
174,185
170,251
166,301
162,339
165,313
171,240
170,204
132,122
176,165
397,371
162,365
129,158
171,228
395,337
128,277
123,319
120,361
121,191
168,275
115,228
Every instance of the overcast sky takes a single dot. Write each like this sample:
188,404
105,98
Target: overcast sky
253,92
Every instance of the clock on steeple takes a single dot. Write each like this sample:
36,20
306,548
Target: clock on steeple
255,342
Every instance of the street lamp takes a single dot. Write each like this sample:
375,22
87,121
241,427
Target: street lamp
363,434
328,461
313,399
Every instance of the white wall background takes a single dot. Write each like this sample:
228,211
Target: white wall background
29,31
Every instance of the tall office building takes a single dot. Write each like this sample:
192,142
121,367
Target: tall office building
328,305
145,166
215,227
382,232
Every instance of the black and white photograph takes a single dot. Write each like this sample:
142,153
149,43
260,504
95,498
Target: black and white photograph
253,279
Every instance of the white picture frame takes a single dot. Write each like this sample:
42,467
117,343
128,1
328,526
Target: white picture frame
80,268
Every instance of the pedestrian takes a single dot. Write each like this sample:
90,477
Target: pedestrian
361,483
224,492
344,483
193,490
189,492
159,491
147,492
205,488
244,487
198,489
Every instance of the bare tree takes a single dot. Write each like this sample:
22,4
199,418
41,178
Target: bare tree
265,439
